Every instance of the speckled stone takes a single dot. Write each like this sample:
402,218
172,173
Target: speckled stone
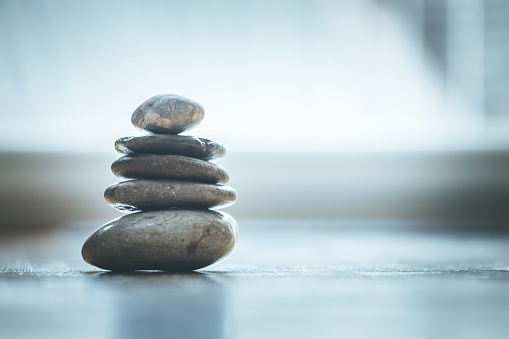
187,145
167,114
174,240
153,166
138,195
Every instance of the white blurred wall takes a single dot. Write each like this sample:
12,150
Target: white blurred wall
350,75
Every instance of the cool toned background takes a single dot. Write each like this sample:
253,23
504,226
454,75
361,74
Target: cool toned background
329,109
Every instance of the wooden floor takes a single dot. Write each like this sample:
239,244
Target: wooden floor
285,279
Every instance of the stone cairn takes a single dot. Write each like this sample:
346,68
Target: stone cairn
171,187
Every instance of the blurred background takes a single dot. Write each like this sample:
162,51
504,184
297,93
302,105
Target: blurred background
352,110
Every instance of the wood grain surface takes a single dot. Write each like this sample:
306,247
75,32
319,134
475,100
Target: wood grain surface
286,279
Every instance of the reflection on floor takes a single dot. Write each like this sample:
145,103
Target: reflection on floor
286,279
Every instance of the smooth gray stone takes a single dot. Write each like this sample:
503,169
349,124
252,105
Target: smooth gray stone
187,145
167,114
139,195
173,240
154,166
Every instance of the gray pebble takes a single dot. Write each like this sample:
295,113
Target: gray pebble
187,145
167,114
173,240
140,195
153,166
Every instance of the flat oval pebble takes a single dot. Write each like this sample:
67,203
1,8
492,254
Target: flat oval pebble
138,195
154,166
173,240
187,145
167,114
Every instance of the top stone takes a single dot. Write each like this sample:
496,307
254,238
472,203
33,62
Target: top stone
167,114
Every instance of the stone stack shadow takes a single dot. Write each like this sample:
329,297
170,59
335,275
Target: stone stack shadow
171,187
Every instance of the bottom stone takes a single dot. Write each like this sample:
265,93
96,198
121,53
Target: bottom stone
170,240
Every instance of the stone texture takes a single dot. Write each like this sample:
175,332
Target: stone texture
136,195
174,240
167,114
187,145
153,166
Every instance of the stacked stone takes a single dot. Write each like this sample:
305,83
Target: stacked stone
172,186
